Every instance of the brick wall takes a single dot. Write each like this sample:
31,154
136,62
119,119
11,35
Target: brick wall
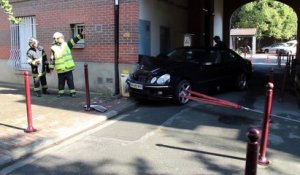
4,36
57,15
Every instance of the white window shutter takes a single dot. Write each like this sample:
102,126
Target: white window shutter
20,35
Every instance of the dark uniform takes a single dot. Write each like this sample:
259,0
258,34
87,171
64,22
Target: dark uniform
63,63
219,43
37,58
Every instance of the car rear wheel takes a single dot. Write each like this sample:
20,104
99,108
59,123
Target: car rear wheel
241,81
266,51
182,90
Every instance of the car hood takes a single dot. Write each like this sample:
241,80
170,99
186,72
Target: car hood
156,65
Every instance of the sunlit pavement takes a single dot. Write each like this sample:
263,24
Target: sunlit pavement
266,59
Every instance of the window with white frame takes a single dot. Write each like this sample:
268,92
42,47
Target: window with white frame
20,34
76,29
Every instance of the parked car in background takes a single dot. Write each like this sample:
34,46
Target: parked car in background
292,46
275,48
289,47
169,76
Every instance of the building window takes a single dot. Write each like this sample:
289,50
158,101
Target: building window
20,34
76,29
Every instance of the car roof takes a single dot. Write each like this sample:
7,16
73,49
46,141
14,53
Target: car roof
279,43
292,41
204,48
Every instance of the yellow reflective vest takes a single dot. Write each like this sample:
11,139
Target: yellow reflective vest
63,58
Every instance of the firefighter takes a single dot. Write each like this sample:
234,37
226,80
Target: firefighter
37,58
62,61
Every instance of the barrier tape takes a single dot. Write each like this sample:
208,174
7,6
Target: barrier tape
199,97
219,102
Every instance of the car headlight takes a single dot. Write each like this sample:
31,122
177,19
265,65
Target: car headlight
163,79
153,80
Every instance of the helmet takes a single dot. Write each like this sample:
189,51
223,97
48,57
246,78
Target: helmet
58,35
32,41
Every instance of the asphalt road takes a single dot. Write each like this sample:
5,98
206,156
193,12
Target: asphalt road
154,139
161,138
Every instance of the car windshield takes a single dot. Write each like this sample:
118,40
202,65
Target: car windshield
291,44
182,54
277,45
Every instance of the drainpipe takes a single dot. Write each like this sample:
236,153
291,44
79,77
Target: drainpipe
117,82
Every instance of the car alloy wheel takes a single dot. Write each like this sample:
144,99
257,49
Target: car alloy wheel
241,81
182,90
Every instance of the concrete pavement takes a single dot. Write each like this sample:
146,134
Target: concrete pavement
56,119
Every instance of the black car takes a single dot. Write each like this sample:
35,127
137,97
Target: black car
168,76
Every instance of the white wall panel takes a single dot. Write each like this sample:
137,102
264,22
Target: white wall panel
160,13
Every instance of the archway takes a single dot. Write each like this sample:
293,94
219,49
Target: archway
273,22
232,5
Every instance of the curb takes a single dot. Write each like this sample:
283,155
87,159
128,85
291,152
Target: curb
23,153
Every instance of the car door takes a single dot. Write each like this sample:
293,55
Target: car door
206,73
229,66
273,48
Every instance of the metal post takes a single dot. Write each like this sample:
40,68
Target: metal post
87,88
117,83
279,57
285,77
30,128
252,151
266,125
271,76
293,68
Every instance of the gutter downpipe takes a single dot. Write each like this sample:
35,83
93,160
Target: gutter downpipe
117,79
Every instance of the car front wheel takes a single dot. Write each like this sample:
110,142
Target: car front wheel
241,81
182,90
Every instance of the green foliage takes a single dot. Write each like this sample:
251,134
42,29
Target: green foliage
271,18
6,6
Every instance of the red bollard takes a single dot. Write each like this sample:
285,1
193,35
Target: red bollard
87,88
30,128
268,59
262,160
252,151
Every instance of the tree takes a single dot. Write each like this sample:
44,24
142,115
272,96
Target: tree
6,6
271,18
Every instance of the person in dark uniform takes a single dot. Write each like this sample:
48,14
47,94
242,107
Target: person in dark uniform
62,61
219,43
37,58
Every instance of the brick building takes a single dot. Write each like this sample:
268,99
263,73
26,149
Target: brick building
146,27
41,18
